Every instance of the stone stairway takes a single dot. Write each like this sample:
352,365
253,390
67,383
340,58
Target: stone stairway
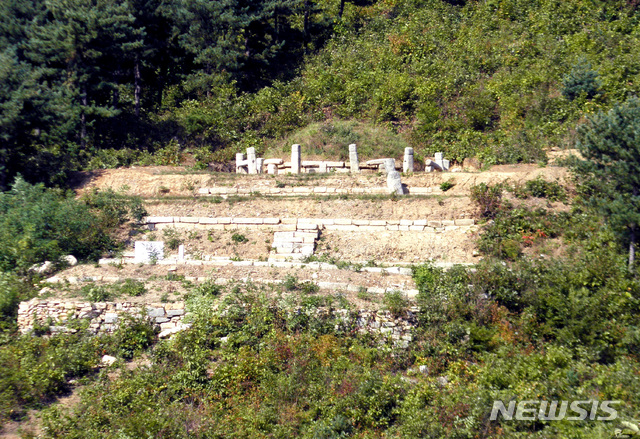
295,245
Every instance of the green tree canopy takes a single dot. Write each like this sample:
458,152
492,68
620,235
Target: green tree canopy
610,143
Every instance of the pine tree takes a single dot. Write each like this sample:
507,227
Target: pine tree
83,46
610,143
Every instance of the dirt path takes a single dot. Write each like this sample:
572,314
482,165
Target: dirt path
157,181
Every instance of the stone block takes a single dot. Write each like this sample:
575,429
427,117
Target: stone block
247,221
342,228
464,222
160,219
307,226
111,317
155,312
371,228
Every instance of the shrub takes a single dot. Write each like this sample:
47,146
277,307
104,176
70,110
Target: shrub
133,336
540,188
395,302
12,291
38,224
446,185
172,237
515,227
582,80
488,199
239,238
96,293
208,288
114,208
132,287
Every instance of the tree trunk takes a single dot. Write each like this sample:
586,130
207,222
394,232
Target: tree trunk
305,32
83,117
137,89
632,248
341,9
115,98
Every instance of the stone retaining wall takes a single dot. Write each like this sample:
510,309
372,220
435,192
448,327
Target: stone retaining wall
104,317
309,190
58,317
293,224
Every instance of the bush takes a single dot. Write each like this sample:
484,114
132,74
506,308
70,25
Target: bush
96,293
38,224
12,291
114,208
514,228
396,303
133,336
172,238
208,288
488,199
239,238
582,80
36,369
132,287
540,188
445,186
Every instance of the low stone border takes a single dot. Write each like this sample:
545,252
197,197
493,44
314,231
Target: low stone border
311,190
223,281
218,261
299,224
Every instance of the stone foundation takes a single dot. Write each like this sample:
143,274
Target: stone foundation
104,317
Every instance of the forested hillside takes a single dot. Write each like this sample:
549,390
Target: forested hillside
105,83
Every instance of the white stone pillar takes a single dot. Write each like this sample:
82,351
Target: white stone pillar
251,158
407,163
295,159
394,183
239,163
353,158
271,168
259,165
389,165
